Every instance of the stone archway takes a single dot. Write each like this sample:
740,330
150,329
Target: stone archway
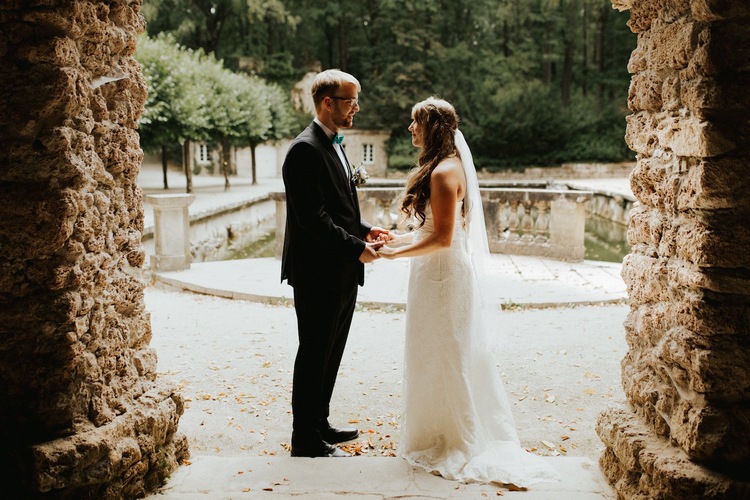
686,431
81,412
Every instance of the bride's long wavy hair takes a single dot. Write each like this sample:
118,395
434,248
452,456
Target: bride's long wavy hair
438,121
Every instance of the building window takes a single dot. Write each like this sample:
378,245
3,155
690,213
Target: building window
368,154
202,154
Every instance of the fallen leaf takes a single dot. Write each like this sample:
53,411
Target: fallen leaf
549,445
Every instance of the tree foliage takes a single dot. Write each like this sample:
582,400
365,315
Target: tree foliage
534,81
193,97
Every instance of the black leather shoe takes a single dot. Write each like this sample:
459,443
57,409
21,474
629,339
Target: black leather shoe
321,449
338,434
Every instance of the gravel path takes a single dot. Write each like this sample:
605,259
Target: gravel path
232,361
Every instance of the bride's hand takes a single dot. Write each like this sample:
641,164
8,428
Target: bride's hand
387,252
401,239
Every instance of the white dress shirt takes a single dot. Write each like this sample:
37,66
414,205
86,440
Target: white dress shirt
337,147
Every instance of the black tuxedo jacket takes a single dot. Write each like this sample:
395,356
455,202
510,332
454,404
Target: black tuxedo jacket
324,230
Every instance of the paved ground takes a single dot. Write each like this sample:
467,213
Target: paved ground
233,361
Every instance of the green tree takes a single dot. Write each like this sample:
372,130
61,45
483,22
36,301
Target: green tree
479,54
176,109
192,97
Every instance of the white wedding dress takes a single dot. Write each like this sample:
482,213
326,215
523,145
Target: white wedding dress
457,421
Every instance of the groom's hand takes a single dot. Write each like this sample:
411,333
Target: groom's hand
370,252
378,234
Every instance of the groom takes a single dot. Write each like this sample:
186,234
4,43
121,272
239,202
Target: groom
325,248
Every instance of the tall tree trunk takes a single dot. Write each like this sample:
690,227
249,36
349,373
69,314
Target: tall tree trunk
567,74
226,161
599,53
548,53
585,68
566,81
343,43
506,39
187,165
164,160
252,163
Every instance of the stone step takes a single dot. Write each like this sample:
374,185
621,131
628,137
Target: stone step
367,478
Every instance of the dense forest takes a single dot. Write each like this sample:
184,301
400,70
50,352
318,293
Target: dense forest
536,82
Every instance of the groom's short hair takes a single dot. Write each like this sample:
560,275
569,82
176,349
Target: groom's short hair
327,82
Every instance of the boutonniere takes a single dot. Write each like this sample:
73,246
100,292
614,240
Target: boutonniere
360,175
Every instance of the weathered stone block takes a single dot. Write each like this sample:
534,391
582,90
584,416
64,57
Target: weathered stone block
645,92
665,46
714,240
687,386
640,133
646,230
691,136
640,465
716,183
652,180
722,48
715,10
670,93
670,45
89,463
638,58
725,100
706,314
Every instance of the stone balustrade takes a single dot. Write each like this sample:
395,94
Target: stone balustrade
538,222
171,231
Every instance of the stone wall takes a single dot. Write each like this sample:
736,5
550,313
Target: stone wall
686,431
82,412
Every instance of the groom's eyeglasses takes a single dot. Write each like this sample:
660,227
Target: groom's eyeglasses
353,101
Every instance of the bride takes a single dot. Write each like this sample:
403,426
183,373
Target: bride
457,421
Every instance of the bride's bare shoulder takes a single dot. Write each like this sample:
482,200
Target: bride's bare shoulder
448,174
449,166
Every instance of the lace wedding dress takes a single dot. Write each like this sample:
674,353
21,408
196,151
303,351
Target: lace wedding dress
457,420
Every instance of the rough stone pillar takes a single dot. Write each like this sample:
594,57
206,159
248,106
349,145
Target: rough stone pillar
81,412
686,375
171,231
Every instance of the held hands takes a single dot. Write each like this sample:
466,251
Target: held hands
387,252
370,252
375,238
378,234
395,240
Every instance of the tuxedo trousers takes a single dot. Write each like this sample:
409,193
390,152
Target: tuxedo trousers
323,322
